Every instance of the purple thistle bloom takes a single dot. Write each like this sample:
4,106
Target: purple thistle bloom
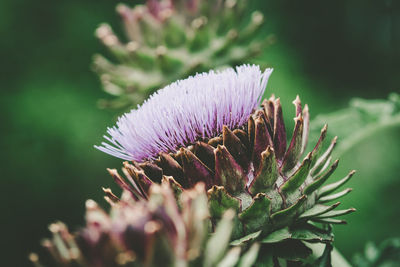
186,111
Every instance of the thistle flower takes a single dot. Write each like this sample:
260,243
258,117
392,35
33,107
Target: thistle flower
209,129
143,233
187,111
169,40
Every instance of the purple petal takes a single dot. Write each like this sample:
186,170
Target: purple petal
187,111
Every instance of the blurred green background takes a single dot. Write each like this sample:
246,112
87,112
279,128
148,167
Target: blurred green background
326,51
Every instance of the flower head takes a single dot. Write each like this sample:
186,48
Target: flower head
217,134
186,111
148,233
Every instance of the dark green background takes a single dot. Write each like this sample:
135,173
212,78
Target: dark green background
326,51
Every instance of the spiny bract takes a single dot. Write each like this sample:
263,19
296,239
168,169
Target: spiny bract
277,194
145,233
169,40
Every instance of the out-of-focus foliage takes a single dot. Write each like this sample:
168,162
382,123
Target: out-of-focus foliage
363,118
170,40
387,254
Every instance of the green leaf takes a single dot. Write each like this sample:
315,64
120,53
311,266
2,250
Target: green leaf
265,256
326,190
320,180
334,196
249,258
298,178
287,213
326,259
304,232
292,250
220,201
336,258
246,238
323,161
318,209
311,233
257,215
336,213
268,172
231,258
219,241
316,152
277,236
366,117
329,221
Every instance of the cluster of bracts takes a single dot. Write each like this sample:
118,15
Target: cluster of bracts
214,201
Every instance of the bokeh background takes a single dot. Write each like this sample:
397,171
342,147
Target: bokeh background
326,51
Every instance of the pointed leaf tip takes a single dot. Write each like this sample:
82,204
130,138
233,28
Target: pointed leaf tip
298,178
228,172
324,158
297,104
334,196
329,221
220,201
306,129
288,213
292,155
267,174
326,190
219,241
317,210
246,238
321,179
235,146
261,140
171,167
336,213
257,214
279,136
195,170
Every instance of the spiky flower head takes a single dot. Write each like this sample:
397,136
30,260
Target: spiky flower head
169,40
245,161
155,232
187,111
